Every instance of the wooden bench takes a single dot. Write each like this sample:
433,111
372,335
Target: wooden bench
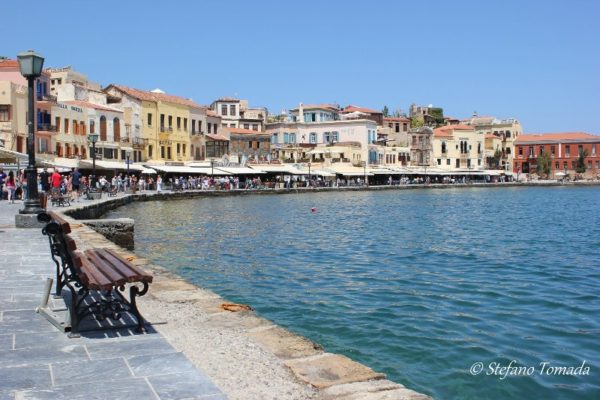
96,278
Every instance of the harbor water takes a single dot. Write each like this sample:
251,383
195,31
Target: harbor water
439,289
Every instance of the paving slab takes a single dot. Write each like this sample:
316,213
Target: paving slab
285,344
328,369
37,361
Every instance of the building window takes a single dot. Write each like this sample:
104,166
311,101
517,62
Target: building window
193,127
246,126
556,165
149,119
66,125
223,109
232,110
57,123
530,151
520,151
552,150
541,150
292,138
286,137
209,127
457,163
178,148
313,138
414,140
593,149
447,161
200,127
185,124
169,152
478,147
274,138
327,136
254,127
439,161
567,151
444,148
178,124
4,113
508,134
75,128
335,137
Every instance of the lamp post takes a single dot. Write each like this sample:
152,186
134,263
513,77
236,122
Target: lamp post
309,175
212,167
30,65
93,138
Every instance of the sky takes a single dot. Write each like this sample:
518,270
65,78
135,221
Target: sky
537,61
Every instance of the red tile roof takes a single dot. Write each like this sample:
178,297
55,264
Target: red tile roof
536,137
490,136
91,105
9,63
350,109
155,97
217,137
448,130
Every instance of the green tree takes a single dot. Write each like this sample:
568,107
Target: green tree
497,157
386,111
580,168
544,164
416,122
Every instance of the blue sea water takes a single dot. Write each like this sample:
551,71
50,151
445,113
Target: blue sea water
418,284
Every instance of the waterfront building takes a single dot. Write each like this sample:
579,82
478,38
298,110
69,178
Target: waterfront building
132,109
356,112
198,124
319,125
236,113
165,132
70,139
247,145
13,109
420,142
564,150
493,152
395,131
456,147
506,129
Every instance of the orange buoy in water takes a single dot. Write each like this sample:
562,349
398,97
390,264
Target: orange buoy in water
314,209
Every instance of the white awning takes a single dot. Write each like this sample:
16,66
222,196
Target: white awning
110,165
9,156
148,171
239,170
64,162
348,170
181,169
284,169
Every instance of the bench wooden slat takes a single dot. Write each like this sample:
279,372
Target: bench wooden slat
136,273
66,228
71,244
89,273
114,276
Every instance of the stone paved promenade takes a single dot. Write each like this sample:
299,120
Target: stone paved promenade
37,361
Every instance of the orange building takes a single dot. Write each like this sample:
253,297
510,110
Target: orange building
564,150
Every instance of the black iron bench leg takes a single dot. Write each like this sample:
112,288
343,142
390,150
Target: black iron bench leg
134,292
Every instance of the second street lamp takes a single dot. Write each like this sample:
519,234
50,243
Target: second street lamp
30,65
128,153
93,138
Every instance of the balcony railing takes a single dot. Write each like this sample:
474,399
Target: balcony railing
46,127
166,129
125,139
46,97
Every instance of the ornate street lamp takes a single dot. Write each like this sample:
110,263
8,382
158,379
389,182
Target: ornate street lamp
94,138
30,65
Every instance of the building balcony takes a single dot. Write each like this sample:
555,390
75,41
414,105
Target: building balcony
46,97
421,146
124,139
166,129
46,127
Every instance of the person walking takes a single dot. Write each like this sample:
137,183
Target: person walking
76,183
159,184
11,187
55,182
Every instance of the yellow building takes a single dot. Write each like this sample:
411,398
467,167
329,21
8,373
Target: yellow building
165,122
458,147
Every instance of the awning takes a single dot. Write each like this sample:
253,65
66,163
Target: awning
239,170
9,156
181,169
148,171
110,165
284,169
348,170
64,162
